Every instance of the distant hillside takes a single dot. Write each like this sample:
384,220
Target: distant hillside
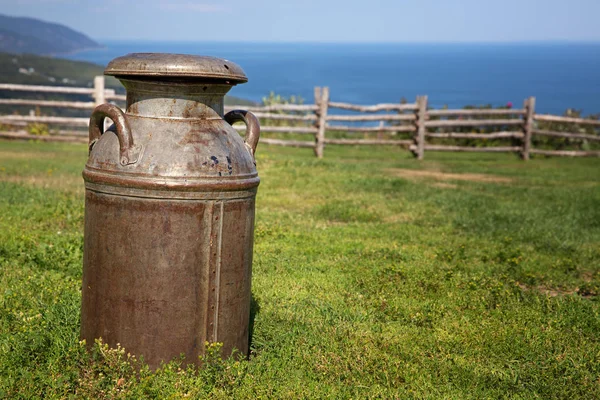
29,35
29,69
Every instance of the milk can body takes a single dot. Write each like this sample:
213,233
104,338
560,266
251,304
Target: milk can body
169,212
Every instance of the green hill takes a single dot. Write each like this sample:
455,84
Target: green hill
29,69
29,35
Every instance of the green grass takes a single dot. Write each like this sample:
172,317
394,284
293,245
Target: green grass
477,278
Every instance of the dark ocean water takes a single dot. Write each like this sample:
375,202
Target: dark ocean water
560,75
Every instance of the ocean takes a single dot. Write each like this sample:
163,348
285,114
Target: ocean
559,75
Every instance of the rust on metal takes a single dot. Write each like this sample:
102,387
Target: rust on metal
169,213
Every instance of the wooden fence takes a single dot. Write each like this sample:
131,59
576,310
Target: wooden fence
410,125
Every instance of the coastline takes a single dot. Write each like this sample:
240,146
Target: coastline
74,52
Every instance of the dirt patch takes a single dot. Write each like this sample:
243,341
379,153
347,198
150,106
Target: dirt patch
554,292
445,185
46,181
395,218
23,155
587,276
444,176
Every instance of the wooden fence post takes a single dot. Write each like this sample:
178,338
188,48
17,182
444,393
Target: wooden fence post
317,113
529,106
322,103
99,90
420,122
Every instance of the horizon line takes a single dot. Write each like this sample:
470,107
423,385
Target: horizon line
424,42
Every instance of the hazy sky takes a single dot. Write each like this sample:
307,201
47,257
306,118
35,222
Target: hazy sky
322,20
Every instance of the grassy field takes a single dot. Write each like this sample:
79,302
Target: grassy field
376,276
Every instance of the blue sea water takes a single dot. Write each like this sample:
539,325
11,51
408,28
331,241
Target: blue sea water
560,75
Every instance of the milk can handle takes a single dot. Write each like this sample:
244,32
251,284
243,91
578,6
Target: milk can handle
128,151
252,126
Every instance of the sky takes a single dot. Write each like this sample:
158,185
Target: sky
321,20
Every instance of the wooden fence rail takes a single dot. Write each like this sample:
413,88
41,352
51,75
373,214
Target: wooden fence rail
408,125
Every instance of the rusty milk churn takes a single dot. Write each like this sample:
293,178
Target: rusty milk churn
169,211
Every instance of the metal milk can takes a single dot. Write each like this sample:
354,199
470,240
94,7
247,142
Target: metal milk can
169,211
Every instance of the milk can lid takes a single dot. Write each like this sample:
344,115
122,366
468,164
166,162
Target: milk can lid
175,65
